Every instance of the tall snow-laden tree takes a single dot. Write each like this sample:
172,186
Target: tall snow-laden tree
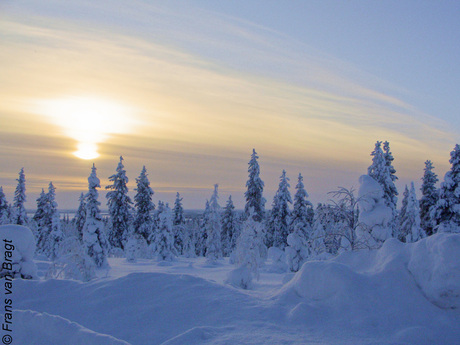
4,214
279,220
203,235
255,187
179,224
19,210
383,172
164,241
229,228
402,212
144,206
411,230
178,211
41,219
119,207
429,198
213,229
55,236
94,238
80,217
302,213
446,213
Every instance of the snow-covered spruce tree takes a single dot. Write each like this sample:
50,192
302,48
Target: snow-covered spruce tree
229,228
55,235
429,198
19,210
411,230
41,220
302,213
402,213
248,256
179,224
297,251
119,204
4,217
382,171
255,187
202,236
178,211
144,206
80,217
279,219
164,245
94,239
446,213
214,229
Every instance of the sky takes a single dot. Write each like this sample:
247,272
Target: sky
188,89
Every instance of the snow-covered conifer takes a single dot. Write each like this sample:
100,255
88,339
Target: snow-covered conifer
164,241
94,238
447,210
4,218
119,207
55,235
229,228
41,220
178,223
144,206
302,213
178,210
279,220
202,236
255,187
429,198
80,217
19,210
213,229
402,212
248,256
382,171
410,223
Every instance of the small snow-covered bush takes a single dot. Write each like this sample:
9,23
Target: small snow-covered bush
72,262
278,260
240,277
17,251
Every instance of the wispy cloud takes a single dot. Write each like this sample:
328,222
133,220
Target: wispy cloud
214,88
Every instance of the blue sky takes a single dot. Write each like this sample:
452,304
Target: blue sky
189,88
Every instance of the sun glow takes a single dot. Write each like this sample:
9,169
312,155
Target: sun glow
90,121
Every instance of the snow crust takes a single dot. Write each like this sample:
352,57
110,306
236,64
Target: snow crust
398,294
35,328
20,242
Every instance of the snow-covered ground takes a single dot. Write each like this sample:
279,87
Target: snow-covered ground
399,294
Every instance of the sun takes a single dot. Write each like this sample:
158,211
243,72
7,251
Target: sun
88,120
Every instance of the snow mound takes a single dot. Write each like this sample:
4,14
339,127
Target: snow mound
55,330
435,265
395,292
18,245
141,308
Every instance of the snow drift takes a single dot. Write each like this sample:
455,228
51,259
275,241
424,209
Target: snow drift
407,292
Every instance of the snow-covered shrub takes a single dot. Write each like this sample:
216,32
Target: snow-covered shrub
72,262
277,259
297,251
17,251
374,215
247,254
